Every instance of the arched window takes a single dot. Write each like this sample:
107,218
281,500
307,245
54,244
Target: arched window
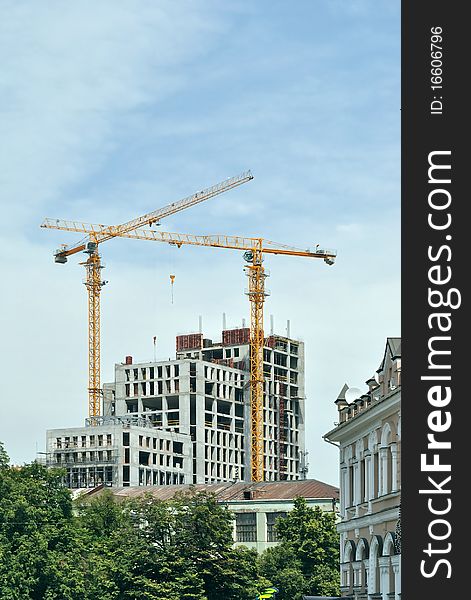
386,466
389,545
347,490
360,474
374,465
362,554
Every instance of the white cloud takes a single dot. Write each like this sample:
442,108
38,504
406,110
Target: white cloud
73,72
351,229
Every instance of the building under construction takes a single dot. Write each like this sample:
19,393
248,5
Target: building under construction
188,420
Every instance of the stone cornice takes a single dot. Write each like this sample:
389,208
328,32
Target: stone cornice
388,514
361,423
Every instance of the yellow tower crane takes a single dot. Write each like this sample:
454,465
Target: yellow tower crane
254,249
97,234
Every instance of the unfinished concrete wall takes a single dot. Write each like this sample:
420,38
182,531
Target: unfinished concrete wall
205,393
117,453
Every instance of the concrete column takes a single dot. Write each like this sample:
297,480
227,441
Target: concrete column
366,566
371,482
348,485
345,578
261,531
134,459
199,446
384,566
372,575
394,465
234,530
374,483
396,566
184,410
367,476
357,566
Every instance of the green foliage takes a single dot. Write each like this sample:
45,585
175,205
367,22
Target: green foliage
144,549
36,535
189,539
51,549
307,559
291,584
4,458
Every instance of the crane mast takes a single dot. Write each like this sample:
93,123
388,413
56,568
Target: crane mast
93,283
256,274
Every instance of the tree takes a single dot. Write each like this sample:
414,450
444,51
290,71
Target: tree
180,548
44,553
144,549
36,535
307,559
192,534
4,458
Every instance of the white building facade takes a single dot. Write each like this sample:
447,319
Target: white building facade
368,435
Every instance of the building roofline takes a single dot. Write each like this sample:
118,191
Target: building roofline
233,492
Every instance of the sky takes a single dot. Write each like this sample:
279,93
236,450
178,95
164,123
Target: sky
110,110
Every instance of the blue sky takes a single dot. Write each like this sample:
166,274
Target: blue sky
109,110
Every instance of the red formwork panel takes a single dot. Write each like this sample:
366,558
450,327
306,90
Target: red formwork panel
233,337
190,341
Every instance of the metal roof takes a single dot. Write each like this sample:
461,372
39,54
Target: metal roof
341,395
393,344
237,491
